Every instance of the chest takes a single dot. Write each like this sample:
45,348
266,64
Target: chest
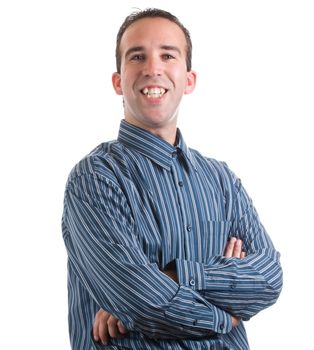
181,213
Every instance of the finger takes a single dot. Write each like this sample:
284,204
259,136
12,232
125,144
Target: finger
103,330
230,247
113,327
121,328
100,329
96,327
237,250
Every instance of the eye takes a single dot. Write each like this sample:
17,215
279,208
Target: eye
167,56
137,57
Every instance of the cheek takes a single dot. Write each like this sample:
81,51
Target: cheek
179,75
128,81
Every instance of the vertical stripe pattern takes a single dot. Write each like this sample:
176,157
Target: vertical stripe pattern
138,203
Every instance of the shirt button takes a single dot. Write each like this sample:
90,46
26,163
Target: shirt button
174,154
192,283
189,228
233,285
180,183
222,326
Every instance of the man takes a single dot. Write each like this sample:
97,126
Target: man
166,250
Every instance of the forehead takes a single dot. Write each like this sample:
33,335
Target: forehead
147,32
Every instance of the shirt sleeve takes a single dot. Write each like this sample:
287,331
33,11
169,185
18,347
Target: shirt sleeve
104,251
242,287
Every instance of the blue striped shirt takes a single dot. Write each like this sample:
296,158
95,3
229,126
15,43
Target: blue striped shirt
138,203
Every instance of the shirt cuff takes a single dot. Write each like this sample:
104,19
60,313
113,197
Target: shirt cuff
189,309
222,321
190,274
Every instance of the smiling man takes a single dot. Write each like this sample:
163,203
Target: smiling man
153,75
166,250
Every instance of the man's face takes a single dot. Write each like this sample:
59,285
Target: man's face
153,75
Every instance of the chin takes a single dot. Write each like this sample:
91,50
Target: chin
159,119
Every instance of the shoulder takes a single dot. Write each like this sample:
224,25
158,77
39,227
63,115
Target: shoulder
218,170
99,163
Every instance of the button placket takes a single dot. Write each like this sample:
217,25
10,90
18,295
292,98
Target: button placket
181,186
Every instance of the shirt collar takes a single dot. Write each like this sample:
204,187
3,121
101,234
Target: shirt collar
158,150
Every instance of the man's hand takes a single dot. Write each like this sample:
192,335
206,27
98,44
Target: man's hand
234,250
106,326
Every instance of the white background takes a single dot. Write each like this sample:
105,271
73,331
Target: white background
252,108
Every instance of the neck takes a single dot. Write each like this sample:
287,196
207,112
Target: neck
167,134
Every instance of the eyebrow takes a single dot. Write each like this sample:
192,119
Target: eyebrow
171,48
142,48
134,49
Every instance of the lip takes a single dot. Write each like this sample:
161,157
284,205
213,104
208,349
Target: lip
154,86
153,100
150,97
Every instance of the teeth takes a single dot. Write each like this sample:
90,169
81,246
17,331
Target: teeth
153,92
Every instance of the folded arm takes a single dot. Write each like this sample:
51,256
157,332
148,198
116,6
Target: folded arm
107,326
103,250
242,287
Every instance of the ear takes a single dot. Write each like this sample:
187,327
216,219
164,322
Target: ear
191,82
116,82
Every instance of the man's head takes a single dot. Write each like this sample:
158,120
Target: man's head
153,71
151,13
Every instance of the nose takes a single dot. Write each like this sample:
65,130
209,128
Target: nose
153,67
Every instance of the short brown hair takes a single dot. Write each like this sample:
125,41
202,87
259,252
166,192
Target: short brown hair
153,12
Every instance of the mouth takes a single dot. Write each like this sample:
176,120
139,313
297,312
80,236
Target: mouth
153,92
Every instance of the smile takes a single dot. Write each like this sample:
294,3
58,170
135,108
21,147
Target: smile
153,92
